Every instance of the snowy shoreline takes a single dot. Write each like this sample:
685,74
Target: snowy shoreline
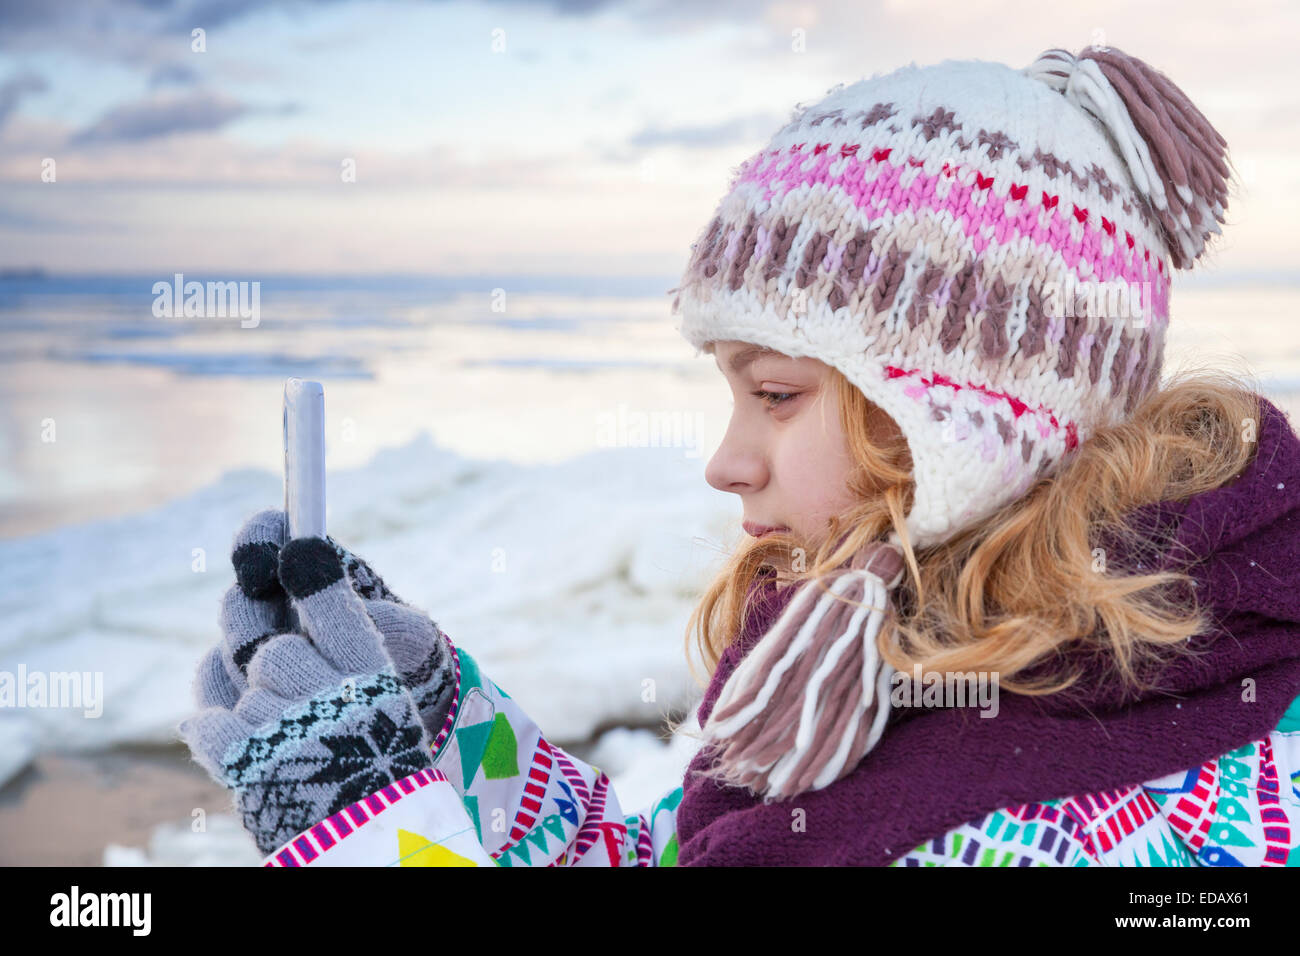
570,583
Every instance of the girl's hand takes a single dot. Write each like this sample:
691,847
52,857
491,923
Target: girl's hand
324,720
254,610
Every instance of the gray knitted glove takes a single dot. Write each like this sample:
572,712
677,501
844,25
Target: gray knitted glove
253,610
324,720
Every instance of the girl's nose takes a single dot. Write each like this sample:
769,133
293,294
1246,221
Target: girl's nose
736,466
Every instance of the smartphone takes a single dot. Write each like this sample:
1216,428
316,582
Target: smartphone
304,463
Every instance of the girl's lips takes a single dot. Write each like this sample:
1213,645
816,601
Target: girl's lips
758,530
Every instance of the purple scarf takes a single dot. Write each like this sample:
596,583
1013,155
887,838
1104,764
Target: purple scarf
936,769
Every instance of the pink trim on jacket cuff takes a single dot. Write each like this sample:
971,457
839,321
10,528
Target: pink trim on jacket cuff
455,704
315,840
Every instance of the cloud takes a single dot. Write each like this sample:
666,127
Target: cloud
21,15
173,74
128,29
739,131
569,8
13,89
58,25
161,116
115,27
210,160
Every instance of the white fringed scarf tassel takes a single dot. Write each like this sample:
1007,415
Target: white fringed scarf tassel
812,697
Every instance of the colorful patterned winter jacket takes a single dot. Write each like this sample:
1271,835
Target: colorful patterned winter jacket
501,793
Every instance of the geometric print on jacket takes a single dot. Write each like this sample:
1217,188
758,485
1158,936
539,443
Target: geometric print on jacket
501,793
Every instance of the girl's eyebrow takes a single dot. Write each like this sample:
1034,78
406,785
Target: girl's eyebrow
747,356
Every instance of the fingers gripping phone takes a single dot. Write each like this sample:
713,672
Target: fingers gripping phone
304,464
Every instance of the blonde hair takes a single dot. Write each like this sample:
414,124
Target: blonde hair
1013,594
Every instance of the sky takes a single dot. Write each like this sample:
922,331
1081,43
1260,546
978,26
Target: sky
587,137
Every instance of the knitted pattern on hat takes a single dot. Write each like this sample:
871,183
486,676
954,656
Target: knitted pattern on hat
985,252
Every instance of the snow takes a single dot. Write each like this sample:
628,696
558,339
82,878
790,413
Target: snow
570,583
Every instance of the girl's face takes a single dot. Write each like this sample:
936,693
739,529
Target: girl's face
784,452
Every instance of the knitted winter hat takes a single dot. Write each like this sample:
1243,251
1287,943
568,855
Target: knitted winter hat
985,252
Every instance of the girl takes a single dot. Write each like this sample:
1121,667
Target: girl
960,469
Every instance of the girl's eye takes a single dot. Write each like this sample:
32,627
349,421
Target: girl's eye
772,399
